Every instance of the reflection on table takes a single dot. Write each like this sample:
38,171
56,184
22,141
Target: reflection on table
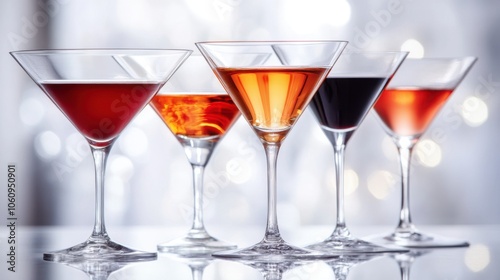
476,262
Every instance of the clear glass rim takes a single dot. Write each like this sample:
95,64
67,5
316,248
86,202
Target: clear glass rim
347,52
444,58
265,42
192,93
101,51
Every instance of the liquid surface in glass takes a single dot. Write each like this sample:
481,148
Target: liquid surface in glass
409,111
100,111
271,99
196,115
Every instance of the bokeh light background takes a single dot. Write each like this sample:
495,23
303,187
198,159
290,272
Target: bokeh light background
454,175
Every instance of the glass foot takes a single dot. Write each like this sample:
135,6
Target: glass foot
276,251
418,240
194,245
104,250
353,246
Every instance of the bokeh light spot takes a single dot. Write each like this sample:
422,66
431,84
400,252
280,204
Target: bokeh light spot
351,181
47,144
415,48
477,257
381,183
428,153
122,167
474,111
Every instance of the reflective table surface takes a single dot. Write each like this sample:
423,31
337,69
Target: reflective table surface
481,260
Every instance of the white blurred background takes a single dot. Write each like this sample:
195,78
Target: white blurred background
454,174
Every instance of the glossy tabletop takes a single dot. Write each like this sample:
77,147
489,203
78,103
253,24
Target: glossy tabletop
479,261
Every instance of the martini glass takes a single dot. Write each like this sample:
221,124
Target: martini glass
271,83
100,91
340,105
199,112
406,108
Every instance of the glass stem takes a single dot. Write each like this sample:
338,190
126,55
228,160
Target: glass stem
341,271
405,272
100,155
99,275
275,275
339,156
272,232
197,273
198,174
198,152
405,147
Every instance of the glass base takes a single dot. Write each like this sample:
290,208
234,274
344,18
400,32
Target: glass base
343,245
276,251
99,250
418,240
194,245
